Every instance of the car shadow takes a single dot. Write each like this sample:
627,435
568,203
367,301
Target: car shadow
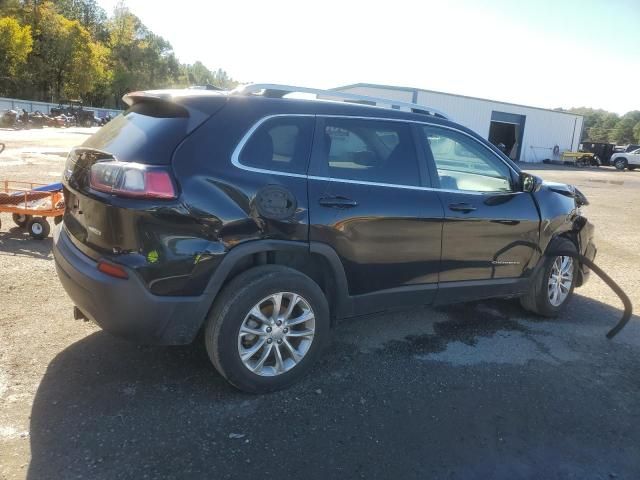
106,406
17,242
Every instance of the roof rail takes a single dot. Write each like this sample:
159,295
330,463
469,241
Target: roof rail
273,90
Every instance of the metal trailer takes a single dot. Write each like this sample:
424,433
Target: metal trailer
579,159
30,203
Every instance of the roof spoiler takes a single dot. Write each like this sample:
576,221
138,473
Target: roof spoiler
157,104
132,98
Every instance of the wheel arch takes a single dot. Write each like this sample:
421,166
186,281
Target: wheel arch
574,237
318,261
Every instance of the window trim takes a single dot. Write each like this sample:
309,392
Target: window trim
235,156
421,152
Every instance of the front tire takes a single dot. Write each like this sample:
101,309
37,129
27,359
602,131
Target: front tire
552,288
266,328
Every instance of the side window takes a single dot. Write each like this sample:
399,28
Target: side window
281,144
370,150
465,164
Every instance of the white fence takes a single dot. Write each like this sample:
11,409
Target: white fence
44,107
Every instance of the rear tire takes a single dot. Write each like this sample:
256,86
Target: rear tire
38,228
249,292
620,163
540,297
20,219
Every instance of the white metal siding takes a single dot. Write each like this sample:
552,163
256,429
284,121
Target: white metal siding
542,131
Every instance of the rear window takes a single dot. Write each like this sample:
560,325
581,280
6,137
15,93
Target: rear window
281,144
143,134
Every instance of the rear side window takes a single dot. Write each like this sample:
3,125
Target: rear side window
369,150
281,144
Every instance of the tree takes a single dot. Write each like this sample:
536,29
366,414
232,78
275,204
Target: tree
199,74
636,133
90,15
70,61
15,45
55,49
140,59
624,130
223,80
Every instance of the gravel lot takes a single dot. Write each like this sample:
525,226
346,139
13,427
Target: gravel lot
480,390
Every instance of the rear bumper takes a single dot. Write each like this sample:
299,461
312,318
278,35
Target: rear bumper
124,308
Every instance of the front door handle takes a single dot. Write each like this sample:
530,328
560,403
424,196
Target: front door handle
337,202
462,207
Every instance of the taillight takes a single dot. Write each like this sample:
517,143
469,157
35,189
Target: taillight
132,180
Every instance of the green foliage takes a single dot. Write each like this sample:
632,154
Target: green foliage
140,58
198,74
90,15
70,61
65,49
606,127
15,45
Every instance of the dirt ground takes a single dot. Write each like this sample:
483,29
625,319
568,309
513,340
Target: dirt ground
481,390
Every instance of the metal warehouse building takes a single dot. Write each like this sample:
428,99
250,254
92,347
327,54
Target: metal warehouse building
529,133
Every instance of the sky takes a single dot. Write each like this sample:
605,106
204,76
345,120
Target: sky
544,53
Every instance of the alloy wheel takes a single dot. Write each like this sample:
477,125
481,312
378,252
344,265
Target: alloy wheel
560,280
276,334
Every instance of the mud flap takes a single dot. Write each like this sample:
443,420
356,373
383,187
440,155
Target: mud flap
628,308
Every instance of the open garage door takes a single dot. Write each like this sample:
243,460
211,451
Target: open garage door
507,129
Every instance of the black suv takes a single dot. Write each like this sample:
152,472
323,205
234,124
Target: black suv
259,220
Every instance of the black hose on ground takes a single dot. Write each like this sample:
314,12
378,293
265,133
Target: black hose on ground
628,308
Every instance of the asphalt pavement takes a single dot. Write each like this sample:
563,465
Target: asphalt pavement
474,391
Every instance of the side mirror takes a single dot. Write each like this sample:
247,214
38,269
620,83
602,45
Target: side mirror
529,183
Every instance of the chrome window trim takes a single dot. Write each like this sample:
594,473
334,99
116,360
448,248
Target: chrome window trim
235,156
405,187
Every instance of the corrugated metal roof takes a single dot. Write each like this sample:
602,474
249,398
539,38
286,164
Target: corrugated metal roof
411,90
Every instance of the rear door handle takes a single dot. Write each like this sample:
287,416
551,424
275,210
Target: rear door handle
337,202
462,207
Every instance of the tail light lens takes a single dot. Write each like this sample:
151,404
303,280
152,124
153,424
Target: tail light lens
112,270
132,180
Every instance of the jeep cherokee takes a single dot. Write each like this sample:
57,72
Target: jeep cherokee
259,220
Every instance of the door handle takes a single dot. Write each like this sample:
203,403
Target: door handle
337,202
462,207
